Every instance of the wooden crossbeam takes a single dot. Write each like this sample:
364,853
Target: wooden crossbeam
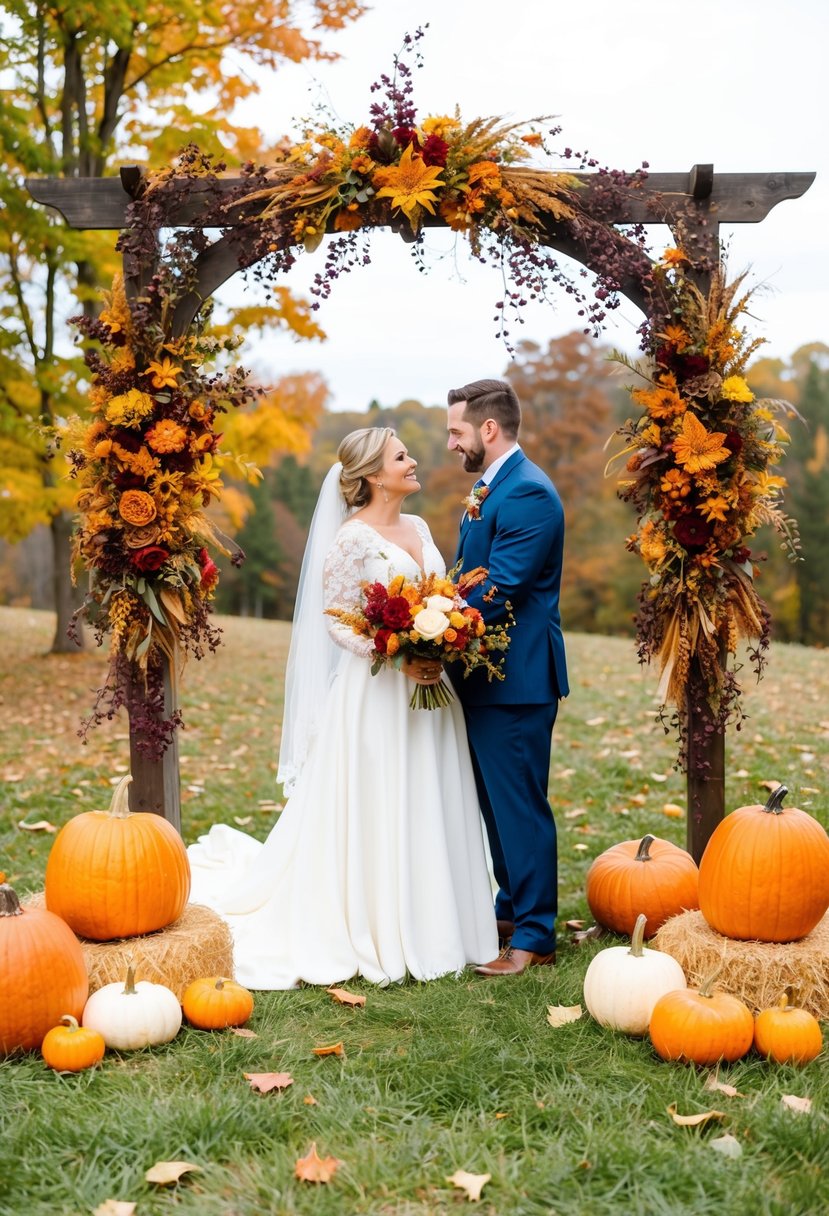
735,198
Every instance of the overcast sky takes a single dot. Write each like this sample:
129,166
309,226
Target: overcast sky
740,84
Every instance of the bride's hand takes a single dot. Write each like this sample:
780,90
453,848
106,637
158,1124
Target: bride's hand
422,671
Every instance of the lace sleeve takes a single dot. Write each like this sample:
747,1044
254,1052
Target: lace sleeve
343,577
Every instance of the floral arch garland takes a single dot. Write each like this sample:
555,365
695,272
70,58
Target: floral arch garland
699,450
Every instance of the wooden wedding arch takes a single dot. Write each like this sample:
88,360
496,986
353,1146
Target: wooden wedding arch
695,203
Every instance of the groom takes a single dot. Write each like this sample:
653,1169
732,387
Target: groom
514,526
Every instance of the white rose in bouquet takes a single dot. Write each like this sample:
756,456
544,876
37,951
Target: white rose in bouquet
430,623
440,603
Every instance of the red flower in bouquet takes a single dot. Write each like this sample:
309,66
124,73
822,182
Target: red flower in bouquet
427,618
151,557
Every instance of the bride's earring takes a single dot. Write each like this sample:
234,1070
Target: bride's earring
380,486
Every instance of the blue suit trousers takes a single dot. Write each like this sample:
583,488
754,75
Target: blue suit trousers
510,747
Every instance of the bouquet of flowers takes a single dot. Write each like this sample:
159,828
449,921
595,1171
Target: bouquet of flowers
428,618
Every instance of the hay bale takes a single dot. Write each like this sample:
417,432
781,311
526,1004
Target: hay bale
199,943
757,972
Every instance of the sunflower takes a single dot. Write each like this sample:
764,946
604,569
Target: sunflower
409,184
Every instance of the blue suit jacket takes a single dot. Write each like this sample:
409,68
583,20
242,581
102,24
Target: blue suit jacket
519,538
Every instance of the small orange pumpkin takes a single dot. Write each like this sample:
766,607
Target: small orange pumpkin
115,874
649,876
42,973
764,874
70,1047
786,1034
701,1026
215,1002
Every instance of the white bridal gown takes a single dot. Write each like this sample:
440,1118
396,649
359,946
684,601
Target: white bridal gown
376,867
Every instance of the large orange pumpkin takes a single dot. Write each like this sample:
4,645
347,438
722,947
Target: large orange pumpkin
650,876
116,874
764,874
42,973
701,1026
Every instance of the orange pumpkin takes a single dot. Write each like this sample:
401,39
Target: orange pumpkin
764,874
71,1048
216,1002
700,1026
786,1034
116,874
650,876
42,973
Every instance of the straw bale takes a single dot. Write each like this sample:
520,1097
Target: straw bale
757,972
199,943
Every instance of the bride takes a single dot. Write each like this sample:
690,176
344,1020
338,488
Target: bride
376,866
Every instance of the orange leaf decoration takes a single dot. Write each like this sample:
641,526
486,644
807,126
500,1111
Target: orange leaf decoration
264,1082
313,1168
698,449
346,998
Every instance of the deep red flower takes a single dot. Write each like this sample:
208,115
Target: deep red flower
741,555
434,150
128,481
687,366
692,531
376,596
397,614
734,442
209,570
381,639
151,557
406,136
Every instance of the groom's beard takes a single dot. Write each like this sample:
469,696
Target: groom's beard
473,459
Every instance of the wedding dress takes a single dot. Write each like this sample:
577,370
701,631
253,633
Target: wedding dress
376,867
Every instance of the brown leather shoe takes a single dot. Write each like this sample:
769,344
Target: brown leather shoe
505,931
512,962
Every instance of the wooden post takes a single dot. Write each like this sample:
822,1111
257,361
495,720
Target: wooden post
155,783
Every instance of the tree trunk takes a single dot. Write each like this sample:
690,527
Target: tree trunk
67,597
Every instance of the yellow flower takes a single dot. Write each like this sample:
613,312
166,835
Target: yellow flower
715,508
409,184
440,125
163,373
651,436
123,360
675,257
736,389
130,408
534,140
652,544
361,138
392,644
698,449
111,322
457,620
396,585
362,163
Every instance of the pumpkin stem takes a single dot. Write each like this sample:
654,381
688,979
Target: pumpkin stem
708,983
129,986
642,853
72,1023
775,802
9,903
221,980
119,807
638,934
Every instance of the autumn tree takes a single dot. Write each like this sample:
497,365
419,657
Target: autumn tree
88,87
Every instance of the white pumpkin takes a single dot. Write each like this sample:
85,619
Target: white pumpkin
621,985
133,1015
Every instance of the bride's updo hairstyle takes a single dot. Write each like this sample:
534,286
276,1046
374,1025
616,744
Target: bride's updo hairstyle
361,454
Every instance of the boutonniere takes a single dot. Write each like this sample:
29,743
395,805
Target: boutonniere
473,500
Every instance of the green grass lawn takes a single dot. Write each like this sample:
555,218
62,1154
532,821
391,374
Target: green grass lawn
458,1074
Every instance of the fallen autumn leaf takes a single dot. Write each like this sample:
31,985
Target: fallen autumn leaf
472,1184
165,1173
265,1082
313,1168
346,998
